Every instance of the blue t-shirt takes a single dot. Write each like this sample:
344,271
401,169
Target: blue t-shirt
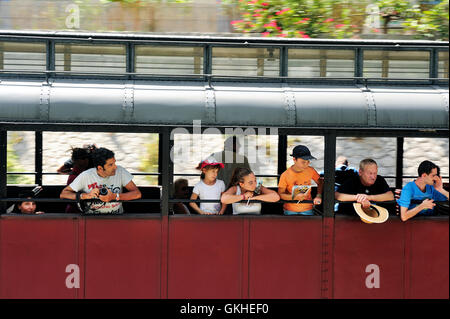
412,192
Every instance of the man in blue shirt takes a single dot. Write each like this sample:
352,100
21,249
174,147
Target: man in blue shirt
426,188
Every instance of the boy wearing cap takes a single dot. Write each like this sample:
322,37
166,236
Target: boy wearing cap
300,174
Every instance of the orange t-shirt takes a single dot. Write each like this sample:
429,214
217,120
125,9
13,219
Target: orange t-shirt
290,178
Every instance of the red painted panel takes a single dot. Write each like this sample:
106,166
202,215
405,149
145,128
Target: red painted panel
285,257
205,257
34,254
429,259
358,245
123,258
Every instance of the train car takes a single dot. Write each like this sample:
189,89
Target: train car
215,87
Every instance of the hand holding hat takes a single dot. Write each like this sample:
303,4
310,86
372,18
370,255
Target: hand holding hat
372,214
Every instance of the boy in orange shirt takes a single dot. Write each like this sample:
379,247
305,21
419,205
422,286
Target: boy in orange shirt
300,174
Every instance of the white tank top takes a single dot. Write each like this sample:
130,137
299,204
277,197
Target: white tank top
243,208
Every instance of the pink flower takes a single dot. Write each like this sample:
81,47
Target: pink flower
237,21
338,26
252,2
304,20
376,30
257,15
305,36
282,11
283,35
328,20
266,34
271,24
264,4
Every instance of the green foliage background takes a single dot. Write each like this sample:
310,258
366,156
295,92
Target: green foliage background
337,18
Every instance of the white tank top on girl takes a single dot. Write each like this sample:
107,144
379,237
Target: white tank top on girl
243,208
210,192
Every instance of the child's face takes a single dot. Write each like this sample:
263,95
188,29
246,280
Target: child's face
27,207
301,164
249,183
210,173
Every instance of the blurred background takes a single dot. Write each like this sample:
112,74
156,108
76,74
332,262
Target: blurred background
410,19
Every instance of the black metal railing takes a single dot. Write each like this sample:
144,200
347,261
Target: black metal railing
431,59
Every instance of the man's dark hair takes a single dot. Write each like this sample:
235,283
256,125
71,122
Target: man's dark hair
426,167
79,153
100,156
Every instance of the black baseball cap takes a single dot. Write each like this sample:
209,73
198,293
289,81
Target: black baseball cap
301,151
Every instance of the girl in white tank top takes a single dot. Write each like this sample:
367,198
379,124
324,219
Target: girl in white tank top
244,208
242,189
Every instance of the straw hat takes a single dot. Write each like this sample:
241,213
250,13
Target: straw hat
373,214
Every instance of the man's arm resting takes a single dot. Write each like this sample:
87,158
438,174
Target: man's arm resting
443,192
345,197
133,192
68,193
382,197
406,213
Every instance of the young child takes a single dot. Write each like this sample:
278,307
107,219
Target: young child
243,186
209,188
27,206
300,174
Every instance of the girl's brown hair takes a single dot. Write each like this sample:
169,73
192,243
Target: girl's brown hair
238,176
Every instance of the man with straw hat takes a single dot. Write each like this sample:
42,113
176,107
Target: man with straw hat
363,189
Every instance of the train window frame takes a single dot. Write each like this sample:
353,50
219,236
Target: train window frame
32,47
39,174
90,54
330,136
323,59
384,69
273,53
45,79
197,67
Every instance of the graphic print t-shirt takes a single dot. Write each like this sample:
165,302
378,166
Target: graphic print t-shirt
89,179
290,178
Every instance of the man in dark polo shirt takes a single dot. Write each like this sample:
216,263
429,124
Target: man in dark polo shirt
365,188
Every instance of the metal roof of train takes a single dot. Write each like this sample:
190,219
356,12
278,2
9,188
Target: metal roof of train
223,103
51,95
